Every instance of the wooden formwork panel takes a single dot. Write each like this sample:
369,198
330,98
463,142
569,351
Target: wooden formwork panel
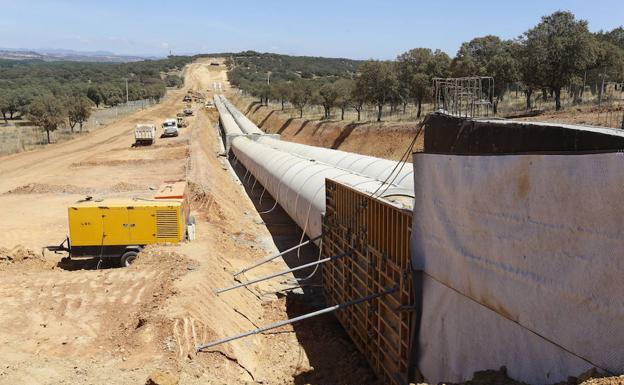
375,235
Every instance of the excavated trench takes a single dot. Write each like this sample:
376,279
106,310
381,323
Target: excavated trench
323,338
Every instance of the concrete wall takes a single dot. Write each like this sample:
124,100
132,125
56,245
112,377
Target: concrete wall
447,134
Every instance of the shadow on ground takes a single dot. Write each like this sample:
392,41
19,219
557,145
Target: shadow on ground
88,264
332,355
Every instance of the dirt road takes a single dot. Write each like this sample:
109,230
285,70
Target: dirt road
73,324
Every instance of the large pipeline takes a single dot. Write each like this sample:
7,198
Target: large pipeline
369,166
230,129
297,183
227,121
246,125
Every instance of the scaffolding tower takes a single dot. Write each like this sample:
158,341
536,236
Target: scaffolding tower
466,96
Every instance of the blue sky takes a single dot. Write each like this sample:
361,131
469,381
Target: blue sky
356,29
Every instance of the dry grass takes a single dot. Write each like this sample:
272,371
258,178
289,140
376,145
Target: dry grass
19,135
513,103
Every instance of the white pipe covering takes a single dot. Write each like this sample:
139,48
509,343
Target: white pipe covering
227,121
294,174
369,166
246,125
297,183
385,170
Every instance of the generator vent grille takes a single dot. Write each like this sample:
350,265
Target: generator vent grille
166,224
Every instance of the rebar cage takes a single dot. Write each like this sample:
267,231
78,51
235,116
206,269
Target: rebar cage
466,96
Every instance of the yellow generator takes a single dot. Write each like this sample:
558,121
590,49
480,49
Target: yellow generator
120,228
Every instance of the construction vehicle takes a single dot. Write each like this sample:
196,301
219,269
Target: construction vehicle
170,128
121,228
144,134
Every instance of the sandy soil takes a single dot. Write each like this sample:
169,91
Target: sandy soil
69,323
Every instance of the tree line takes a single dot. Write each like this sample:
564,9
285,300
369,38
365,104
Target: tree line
558,54
250,67
52,94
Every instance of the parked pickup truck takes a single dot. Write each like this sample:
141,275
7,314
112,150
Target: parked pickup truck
170,127
144,134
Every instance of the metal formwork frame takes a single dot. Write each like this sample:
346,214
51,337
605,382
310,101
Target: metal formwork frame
376,234
466,96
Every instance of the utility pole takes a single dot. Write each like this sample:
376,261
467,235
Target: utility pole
269,77
126,79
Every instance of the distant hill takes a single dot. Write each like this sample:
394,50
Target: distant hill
48,54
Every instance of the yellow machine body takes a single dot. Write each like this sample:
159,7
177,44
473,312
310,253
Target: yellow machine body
127,222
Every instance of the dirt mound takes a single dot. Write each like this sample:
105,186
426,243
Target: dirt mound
616,380
203,201
124,186
22,258
145,323
43,188
500,377
178,143
116,162
159,256
162,378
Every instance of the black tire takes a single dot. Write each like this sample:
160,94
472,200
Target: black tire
128,258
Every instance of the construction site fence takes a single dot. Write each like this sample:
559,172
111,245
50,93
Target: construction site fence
19,135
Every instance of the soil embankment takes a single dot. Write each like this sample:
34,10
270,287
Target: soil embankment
388,140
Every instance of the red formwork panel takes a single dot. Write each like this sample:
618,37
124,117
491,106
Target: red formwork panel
376,236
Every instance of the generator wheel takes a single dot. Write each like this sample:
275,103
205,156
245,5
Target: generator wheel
128,258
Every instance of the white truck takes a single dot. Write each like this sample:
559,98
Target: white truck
144,134
170,127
